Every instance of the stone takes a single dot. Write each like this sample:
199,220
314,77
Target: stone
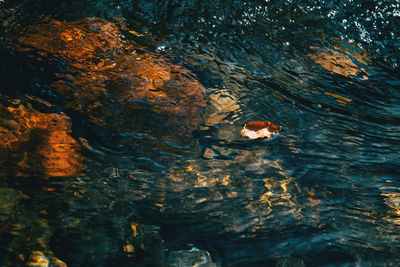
208,153
188,258
109,84
289,262
39,259
39,143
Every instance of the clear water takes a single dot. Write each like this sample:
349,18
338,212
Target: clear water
78,169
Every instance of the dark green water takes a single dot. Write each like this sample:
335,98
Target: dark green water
324,192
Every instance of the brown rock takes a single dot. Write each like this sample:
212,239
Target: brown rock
38,143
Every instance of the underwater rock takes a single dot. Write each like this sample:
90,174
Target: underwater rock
114,82
39,259
145,245
289,262
32,142
208,153
8,202
187,258
222,104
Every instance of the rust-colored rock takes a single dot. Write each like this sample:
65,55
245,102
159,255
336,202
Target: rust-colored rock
35,143
109,79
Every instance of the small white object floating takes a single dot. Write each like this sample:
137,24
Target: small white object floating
259,129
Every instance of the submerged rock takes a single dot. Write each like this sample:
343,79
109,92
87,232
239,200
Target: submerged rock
36,143
188,258
145,245
8,203
289,262
113,82
39,259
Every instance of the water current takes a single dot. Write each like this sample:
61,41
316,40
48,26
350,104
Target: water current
120,133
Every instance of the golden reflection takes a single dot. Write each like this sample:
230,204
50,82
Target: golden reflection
201,178
38,142
136,33
40,259
392,200
129,248
340,99
221,104
279,193
108,75
244,193
341,60
134,226
226,180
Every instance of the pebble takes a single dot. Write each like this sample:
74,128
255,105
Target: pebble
208,153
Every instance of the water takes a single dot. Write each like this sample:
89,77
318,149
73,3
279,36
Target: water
126,146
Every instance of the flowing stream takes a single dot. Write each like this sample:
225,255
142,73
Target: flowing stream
120,132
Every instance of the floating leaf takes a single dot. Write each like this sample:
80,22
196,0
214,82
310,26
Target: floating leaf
259,129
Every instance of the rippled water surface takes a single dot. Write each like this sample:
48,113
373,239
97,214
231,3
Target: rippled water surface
120,132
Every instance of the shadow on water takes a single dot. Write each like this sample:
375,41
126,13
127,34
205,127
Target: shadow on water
120,133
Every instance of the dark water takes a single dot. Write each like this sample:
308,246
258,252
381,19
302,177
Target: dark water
83,173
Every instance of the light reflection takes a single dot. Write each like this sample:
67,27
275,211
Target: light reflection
211,185
279,193
392,200
340,99
221,104
341,60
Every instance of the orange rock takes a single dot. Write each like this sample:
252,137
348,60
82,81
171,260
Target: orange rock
38,143
109,75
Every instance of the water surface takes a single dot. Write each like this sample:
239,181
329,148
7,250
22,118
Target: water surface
93,151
